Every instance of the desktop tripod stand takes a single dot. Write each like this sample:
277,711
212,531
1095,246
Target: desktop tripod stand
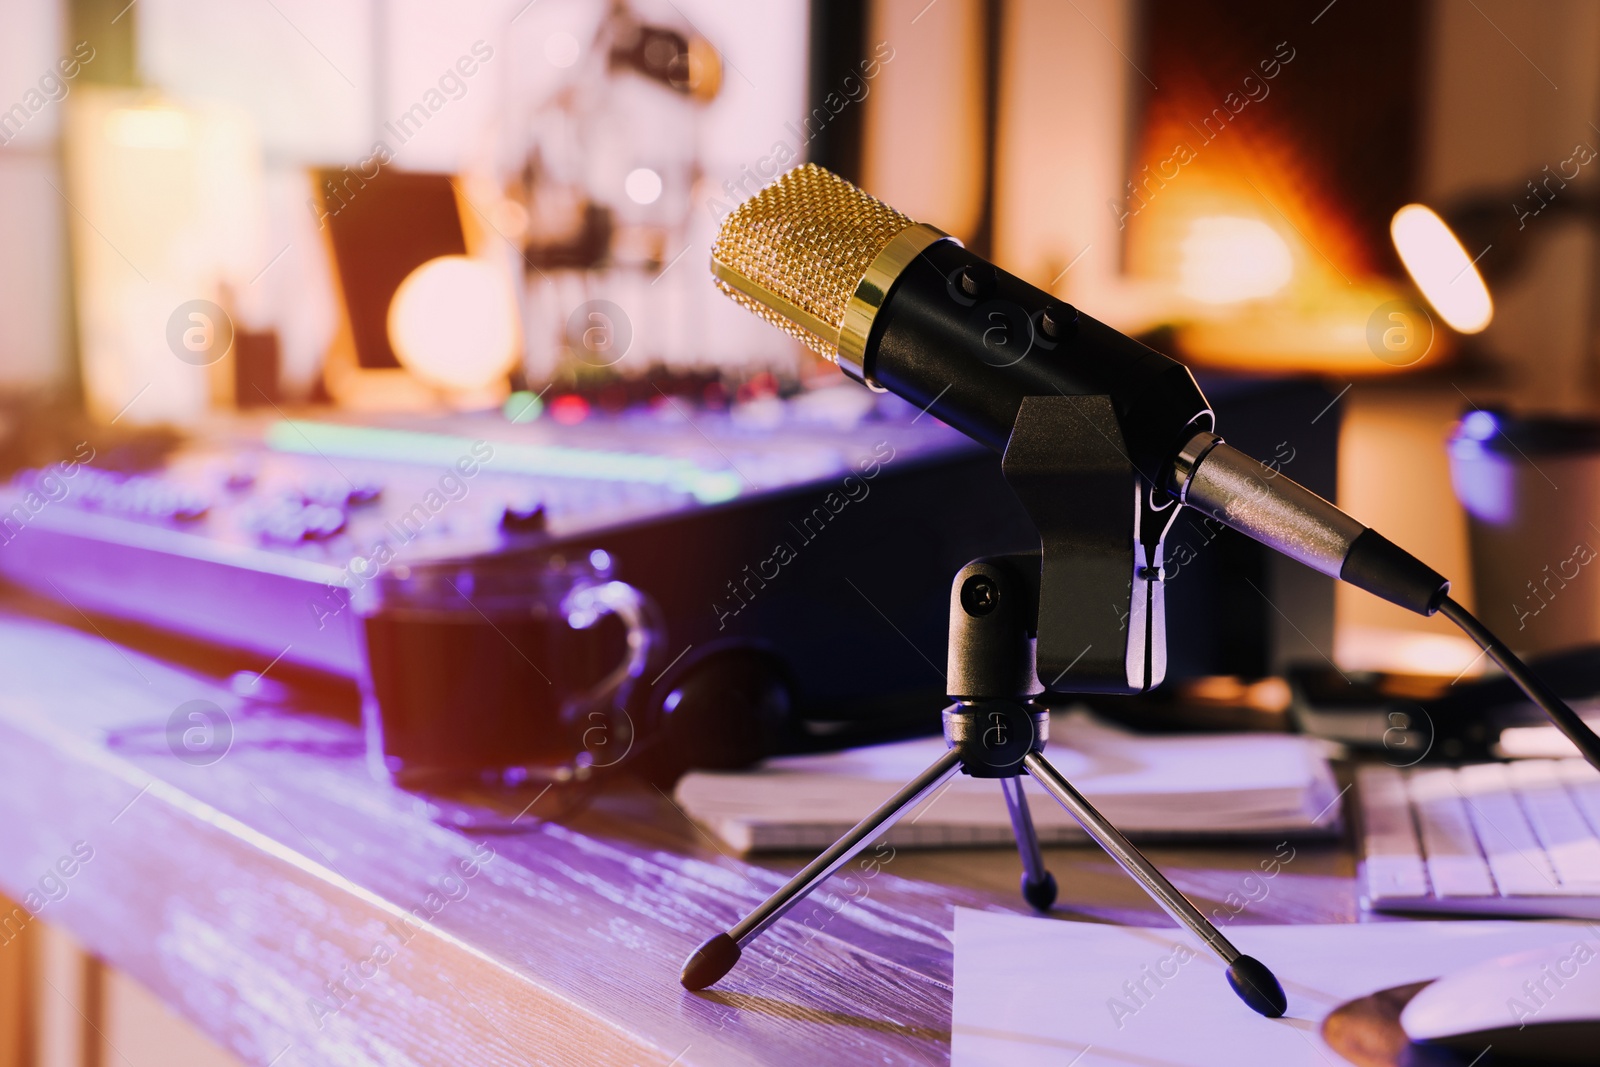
994,729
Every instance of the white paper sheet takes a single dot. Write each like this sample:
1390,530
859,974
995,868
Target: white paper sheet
1041,992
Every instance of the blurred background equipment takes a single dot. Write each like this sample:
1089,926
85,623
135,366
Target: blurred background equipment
580,154
612,171
373,253
523,232
271,270
1531,490
299,540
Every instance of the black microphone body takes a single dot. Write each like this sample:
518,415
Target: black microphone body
968,342
904,307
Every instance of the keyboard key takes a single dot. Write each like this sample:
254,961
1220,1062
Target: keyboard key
1456,865
1583,785
1565,833
1394,856
1516,858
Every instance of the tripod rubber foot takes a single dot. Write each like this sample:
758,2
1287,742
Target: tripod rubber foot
1258,987
1041,894
715,958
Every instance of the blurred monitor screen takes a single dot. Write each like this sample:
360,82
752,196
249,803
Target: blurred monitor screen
379,233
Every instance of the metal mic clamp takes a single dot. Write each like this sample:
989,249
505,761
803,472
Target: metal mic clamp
1101,614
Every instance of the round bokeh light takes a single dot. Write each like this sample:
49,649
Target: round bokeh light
642,185
453,323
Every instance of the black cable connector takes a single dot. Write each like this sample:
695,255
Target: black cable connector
1386,570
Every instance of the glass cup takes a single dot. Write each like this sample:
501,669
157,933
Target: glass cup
500,671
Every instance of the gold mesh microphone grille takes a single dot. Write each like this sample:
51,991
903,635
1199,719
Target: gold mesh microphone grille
802,254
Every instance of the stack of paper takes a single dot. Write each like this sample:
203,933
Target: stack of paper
1175,786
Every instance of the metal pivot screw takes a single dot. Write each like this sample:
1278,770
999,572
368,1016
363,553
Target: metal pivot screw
979,595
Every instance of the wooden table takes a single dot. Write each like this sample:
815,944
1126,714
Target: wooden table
244,892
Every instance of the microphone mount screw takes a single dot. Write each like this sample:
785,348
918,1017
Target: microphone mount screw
979,595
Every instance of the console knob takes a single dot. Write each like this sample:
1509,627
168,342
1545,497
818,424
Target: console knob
523,517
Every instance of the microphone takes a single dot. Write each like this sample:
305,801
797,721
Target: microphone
901,306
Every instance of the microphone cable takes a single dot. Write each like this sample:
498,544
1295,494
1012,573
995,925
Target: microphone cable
1576,730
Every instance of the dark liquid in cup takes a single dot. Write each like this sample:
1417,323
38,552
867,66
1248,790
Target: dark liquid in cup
454,694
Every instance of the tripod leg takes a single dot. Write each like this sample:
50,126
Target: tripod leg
1038,884
717,956
1251,980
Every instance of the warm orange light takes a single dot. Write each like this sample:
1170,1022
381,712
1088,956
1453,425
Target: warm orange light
167,209
1227,259
1441,268
453,323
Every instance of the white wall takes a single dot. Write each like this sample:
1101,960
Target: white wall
33,273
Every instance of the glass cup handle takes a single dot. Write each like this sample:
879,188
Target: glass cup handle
586,605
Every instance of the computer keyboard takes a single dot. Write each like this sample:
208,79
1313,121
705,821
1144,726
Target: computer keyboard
1519,838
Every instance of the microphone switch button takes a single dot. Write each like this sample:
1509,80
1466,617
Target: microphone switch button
976,280
1058,320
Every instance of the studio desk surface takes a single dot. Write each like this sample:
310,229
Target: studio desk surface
242,891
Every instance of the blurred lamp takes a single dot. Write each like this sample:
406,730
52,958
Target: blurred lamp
1226,259
174,195
453,324
1441,268
152,126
